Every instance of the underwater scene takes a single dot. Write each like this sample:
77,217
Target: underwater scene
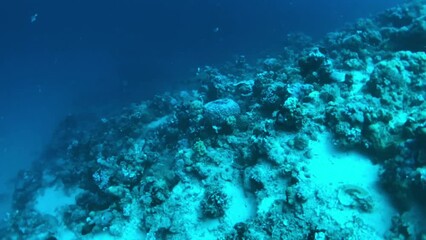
216,120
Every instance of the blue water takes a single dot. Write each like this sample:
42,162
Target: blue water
66,57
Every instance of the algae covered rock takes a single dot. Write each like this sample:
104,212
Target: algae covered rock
316,67
214,203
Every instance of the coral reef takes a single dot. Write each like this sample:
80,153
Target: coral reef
243,154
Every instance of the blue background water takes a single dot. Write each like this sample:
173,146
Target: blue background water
81,55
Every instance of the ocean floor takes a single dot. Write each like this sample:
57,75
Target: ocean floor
324,140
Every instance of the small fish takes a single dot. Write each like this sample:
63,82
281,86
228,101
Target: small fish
216,29
34,17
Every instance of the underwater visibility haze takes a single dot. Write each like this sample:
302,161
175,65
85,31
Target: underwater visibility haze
213,119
